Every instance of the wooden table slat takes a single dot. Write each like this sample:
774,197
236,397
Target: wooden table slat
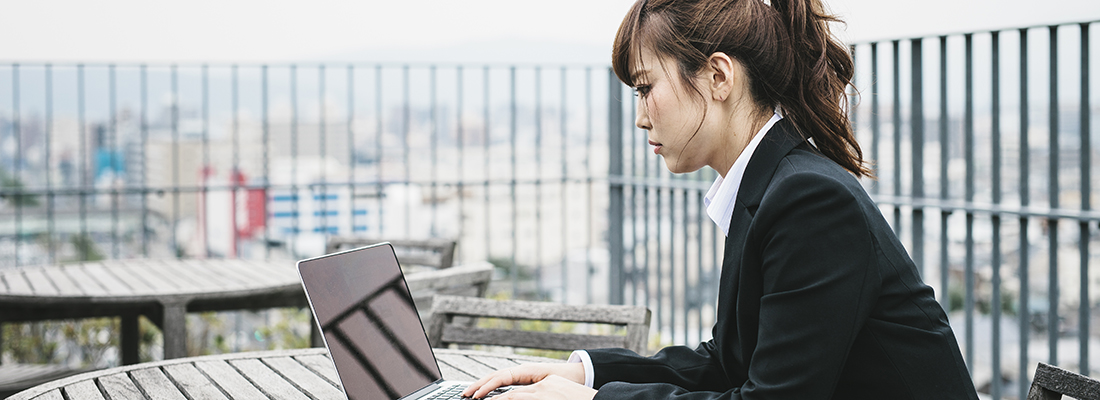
193,383
229,278
269,271
88,284
63,282
51,395
17,283
302,377
455,374
113,285
119,386
493,361
321,365
267,380
151,276
227,377
203,274
281,374
136,284
40,282
84,390
185,281
156,384
469,366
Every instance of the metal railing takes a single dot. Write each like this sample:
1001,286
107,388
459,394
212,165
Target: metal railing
539,169
267,160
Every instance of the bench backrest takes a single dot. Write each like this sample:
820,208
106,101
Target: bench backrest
433,253
1051,382
443,329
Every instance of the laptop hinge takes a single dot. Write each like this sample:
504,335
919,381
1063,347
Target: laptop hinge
424,390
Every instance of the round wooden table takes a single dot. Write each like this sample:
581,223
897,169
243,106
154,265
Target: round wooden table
285,374
163,290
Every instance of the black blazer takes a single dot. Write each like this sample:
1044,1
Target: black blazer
818,300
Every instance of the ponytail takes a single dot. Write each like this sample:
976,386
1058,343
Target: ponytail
816,101
792,59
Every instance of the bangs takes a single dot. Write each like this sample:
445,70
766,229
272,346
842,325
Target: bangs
627,46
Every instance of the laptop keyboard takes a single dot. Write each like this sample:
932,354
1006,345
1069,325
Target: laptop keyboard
455,392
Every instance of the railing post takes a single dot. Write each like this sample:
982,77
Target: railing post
615,188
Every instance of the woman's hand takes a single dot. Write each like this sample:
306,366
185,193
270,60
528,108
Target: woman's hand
553,387
567,376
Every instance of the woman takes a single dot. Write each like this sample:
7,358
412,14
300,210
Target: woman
818,299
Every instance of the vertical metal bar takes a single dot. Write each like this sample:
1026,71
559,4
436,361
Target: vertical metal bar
1052,192
267,150
322,145
538,178
294,190
205,170
406,121
687,283
1025,308
968,135
175,160
1083,311
111,143
82,137
461,151
615,171
916,121
945,155
236,174
588,120
51,242
378,188
512,131
17,169
433,146
874,113
144,161
896,114
700,274
564,185
995,308
487,139
633,275
352,181
672,263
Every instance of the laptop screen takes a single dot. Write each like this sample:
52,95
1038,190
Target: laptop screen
370,325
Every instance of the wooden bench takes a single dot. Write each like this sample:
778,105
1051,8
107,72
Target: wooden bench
423,253
444,329
1051,382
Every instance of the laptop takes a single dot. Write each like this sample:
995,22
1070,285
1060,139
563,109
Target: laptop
370,326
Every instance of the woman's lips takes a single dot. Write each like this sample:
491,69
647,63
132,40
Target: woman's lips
656,147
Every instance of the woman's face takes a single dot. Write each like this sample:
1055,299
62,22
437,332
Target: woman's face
672,113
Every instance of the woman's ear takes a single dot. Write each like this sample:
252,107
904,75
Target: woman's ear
722,74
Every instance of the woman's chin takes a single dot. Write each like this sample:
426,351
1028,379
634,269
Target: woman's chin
678,168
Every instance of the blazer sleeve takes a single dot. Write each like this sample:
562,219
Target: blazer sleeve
815,253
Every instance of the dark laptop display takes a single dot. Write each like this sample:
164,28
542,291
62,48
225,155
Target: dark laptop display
370,325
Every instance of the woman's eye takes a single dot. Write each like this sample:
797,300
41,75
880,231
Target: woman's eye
641,90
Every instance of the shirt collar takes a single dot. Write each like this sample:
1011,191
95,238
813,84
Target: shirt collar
722,196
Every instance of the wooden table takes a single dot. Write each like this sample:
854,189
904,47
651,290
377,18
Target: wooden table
285,374
163,290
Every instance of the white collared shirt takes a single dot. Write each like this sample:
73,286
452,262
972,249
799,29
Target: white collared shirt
722,196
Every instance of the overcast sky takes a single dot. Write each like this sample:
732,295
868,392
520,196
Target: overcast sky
369,30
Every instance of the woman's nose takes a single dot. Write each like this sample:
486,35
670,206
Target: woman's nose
642,121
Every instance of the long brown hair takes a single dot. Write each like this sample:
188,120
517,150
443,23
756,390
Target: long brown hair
792,59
